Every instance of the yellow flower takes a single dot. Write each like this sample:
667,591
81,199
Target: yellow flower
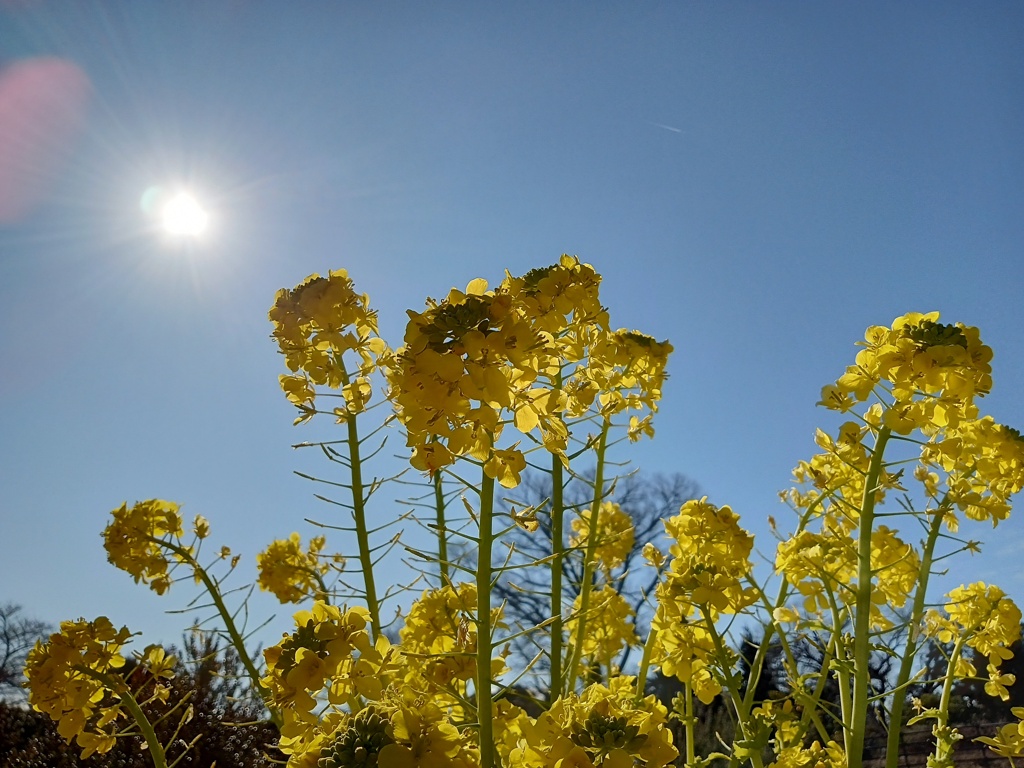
996,685
505,466
158,662
710,559
322,646
440,631
315,325
423,739
615,539
610,630
600,727
290,572
134,540
73,678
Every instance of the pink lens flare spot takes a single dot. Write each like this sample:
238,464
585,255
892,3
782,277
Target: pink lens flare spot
42,109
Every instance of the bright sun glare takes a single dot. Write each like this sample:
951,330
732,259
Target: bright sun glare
182,215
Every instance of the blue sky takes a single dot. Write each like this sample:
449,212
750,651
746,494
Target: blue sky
757,182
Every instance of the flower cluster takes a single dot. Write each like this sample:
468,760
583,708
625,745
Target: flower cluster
706,575
710,561
1009,741
932,372
985,619
465,359
478,353
315,324
331,649
983,466
440,632
563,301
291,572
75,678
612,629
401,730
629,370
829,755
614,540
823,567
137,541
600,727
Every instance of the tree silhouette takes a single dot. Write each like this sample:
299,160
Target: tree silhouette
18,634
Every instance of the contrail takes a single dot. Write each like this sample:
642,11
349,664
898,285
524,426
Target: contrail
668,127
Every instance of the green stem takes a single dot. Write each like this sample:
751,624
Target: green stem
589,563
842,654
557,563
119,687
857,718
645,661
691,747
942,747
907,662
359,516
229,625
442,533
156,750
483,624
722,655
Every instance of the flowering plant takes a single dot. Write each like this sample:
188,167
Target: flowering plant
490,381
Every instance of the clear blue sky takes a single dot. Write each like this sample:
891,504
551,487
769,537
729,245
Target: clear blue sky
757,182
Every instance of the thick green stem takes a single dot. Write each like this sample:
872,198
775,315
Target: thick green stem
156,749
589,563
119,687
892,746
557,563
691,747
442,532
362,534
856,720
944,746
645,661
483,624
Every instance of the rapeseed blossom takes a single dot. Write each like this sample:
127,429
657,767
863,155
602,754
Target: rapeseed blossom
612,629
315,325
599,727
291,572
75,677
615,538
135,538
440,633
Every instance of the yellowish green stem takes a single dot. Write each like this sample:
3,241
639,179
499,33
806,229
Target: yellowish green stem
362,533
856,720
229,625
731,686
645,661
442,532
483,624
557,562
691,746
892,747
944,746
119,687
572,672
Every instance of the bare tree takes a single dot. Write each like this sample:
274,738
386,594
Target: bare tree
18,634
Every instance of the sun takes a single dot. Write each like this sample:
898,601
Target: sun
183,216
